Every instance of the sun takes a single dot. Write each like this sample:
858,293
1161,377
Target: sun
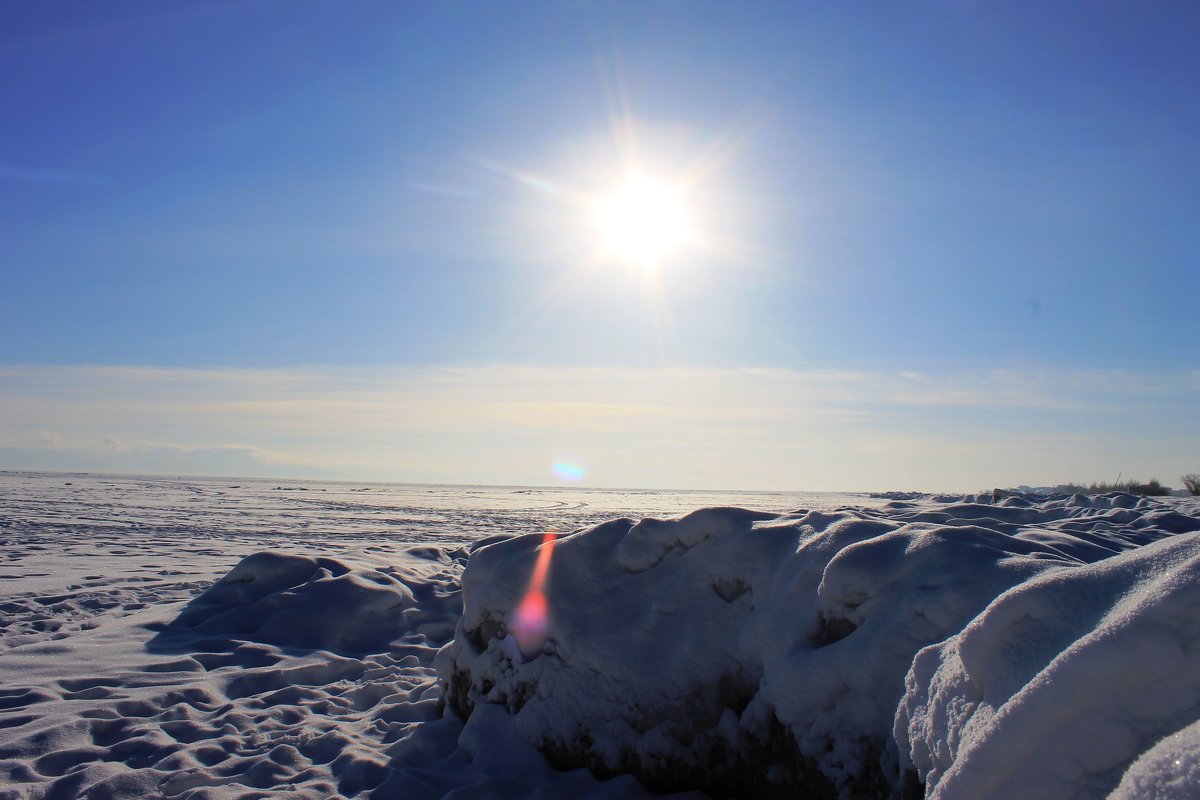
643,221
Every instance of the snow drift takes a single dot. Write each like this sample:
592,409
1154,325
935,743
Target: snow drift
1062,682
849,652
314,603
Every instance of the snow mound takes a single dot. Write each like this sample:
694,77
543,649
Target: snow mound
1168,771
1063,681
305,602
749,653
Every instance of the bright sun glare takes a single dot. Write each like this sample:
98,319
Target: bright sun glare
642,221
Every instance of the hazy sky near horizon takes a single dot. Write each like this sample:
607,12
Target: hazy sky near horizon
938,244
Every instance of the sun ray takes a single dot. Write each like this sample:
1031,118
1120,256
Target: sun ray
648,214
620,110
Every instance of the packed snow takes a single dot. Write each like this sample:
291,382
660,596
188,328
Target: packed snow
207,638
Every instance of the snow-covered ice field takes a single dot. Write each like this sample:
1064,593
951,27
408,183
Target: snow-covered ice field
205,638
104,693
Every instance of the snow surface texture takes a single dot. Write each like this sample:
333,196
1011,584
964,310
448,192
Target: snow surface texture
1062,682
753,653
247,639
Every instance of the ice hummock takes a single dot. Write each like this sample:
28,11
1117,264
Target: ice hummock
849,652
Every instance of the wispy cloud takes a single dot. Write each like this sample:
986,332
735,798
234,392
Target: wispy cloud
157,458
765,428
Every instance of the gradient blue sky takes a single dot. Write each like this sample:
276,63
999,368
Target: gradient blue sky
986,211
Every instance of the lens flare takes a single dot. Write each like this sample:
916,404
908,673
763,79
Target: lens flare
531,620
566,471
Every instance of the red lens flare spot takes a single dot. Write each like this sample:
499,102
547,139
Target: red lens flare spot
531,621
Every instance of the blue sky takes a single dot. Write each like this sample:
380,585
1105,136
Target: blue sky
998,196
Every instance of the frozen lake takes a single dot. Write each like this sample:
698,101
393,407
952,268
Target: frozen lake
207,638
138,523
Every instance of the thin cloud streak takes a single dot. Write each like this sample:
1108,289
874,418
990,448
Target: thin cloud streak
669,428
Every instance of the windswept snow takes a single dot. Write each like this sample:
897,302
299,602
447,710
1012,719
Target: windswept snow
220,639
